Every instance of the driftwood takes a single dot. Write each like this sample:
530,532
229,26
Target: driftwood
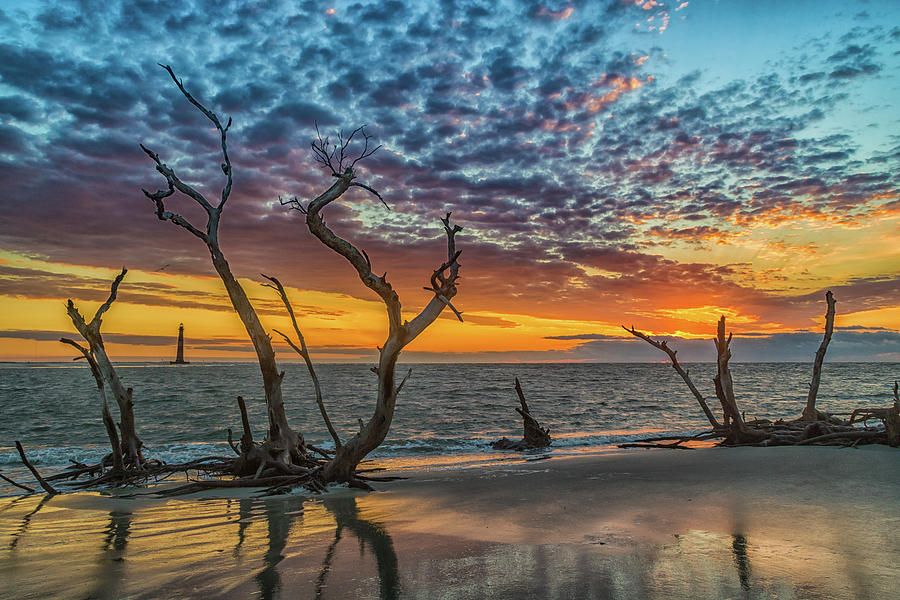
534,436
339,161
282,443
814,427
283,454
18,485
685,375
809,412
106,377
117,459
303,351
47,487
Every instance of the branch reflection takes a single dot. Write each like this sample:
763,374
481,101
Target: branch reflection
370,534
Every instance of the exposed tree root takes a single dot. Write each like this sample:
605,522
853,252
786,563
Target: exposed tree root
781,433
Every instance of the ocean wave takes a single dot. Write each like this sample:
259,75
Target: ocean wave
63,456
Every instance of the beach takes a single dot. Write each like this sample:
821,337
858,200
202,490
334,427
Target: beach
705,523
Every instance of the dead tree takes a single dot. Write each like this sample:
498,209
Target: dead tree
533,436
824,430
809,412
339,160
738,432
106,377
282,443
684,374
118,463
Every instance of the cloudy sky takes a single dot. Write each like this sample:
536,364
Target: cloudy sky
650,163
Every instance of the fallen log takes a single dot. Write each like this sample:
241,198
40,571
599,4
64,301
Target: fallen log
672,446
842,435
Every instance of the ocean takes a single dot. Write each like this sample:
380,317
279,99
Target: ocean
446,416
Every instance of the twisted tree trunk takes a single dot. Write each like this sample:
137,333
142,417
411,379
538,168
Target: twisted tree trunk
372,433
738,432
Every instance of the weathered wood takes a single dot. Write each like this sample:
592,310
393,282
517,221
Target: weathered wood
672,446
809,412
841,435
114,442
533,434
861,415
247,436
130,443
738,431
303,351
198,486
684,374
400,333
18,485
892,421
47,487
282,441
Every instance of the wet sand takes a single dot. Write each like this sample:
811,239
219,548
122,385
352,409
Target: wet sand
709,523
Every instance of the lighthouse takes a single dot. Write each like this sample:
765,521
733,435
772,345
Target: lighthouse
179,356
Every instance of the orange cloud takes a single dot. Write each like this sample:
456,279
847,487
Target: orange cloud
594,103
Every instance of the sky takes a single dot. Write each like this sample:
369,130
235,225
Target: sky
636,162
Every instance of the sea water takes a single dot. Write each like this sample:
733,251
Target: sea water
446,416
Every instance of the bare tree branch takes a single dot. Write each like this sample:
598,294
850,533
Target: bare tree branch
403,381
336,157
105,375
95,322
304,352
443,286
223,131
338,161
675,365
174,181
18,485
47,487
373,191
282,442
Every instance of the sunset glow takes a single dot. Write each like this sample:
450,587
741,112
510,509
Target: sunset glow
643,163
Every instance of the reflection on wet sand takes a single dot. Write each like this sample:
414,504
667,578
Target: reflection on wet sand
26,520
739,547
110,568
497,534
370,534
293,547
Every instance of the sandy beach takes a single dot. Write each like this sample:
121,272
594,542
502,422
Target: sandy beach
707,523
